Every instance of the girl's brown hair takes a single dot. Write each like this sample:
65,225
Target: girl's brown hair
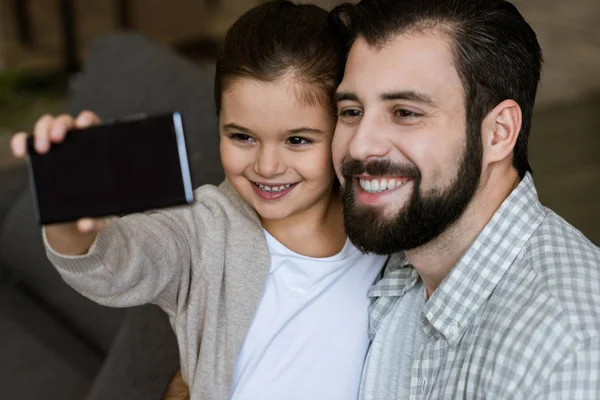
277,39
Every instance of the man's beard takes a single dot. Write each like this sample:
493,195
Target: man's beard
423,218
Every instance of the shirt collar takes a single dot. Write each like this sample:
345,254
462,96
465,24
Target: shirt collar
477,273
398,278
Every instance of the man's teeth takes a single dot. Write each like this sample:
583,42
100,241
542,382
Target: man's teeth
273,188
379,185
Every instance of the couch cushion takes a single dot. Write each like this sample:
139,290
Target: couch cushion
40,358
13,181
128,74
22,254
143,359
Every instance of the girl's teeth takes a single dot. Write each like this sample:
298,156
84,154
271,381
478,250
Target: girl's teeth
274,188
378,185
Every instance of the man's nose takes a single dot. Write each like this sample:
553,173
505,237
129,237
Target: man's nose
369,139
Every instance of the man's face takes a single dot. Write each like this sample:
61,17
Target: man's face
401,147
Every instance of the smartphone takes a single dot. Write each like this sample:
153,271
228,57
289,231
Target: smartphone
131,165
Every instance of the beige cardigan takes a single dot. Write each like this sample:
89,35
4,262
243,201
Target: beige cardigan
206,265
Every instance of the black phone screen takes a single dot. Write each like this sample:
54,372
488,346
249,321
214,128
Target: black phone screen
112,169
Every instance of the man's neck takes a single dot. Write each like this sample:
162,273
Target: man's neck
434,260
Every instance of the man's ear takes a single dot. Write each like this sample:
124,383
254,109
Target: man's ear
500,130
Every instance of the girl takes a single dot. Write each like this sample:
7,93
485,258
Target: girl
266,295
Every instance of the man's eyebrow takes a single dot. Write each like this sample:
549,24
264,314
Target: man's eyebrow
343,96
410,95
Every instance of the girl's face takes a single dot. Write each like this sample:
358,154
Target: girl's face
275,149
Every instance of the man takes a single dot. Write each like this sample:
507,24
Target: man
488,294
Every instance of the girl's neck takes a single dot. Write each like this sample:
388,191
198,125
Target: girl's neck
316,232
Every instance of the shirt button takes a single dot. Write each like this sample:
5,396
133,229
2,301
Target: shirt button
454,328
424,385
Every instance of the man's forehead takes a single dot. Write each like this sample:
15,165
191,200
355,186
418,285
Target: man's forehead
437,34
416,61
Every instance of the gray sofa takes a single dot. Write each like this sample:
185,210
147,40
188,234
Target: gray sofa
55,344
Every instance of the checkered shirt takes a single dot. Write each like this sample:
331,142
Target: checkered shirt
518,317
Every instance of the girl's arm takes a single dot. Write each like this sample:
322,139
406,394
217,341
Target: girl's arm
138,259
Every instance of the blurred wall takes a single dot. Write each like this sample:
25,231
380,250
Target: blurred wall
567,30
166,21
569,33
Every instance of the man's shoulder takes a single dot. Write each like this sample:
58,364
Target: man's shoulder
545,308
566,263
558,273
556,242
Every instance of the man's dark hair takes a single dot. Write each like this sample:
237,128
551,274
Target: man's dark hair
496,52
278,38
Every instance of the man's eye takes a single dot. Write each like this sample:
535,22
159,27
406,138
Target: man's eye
403,113
242,137
298,141
350,113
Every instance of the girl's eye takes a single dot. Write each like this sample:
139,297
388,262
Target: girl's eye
298,141
242,137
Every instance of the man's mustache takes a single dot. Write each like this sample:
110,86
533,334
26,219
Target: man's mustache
353,167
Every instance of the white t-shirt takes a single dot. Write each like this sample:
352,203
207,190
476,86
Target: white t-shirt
309,337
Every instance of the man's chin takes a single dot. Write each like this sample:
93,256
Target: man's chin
367,228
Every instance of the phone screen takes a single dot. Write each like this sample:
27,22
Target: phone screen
112,169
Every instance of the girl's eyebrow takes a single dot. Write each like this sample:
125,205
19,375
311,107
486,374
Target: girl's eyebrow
237,128
295,131
304,129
